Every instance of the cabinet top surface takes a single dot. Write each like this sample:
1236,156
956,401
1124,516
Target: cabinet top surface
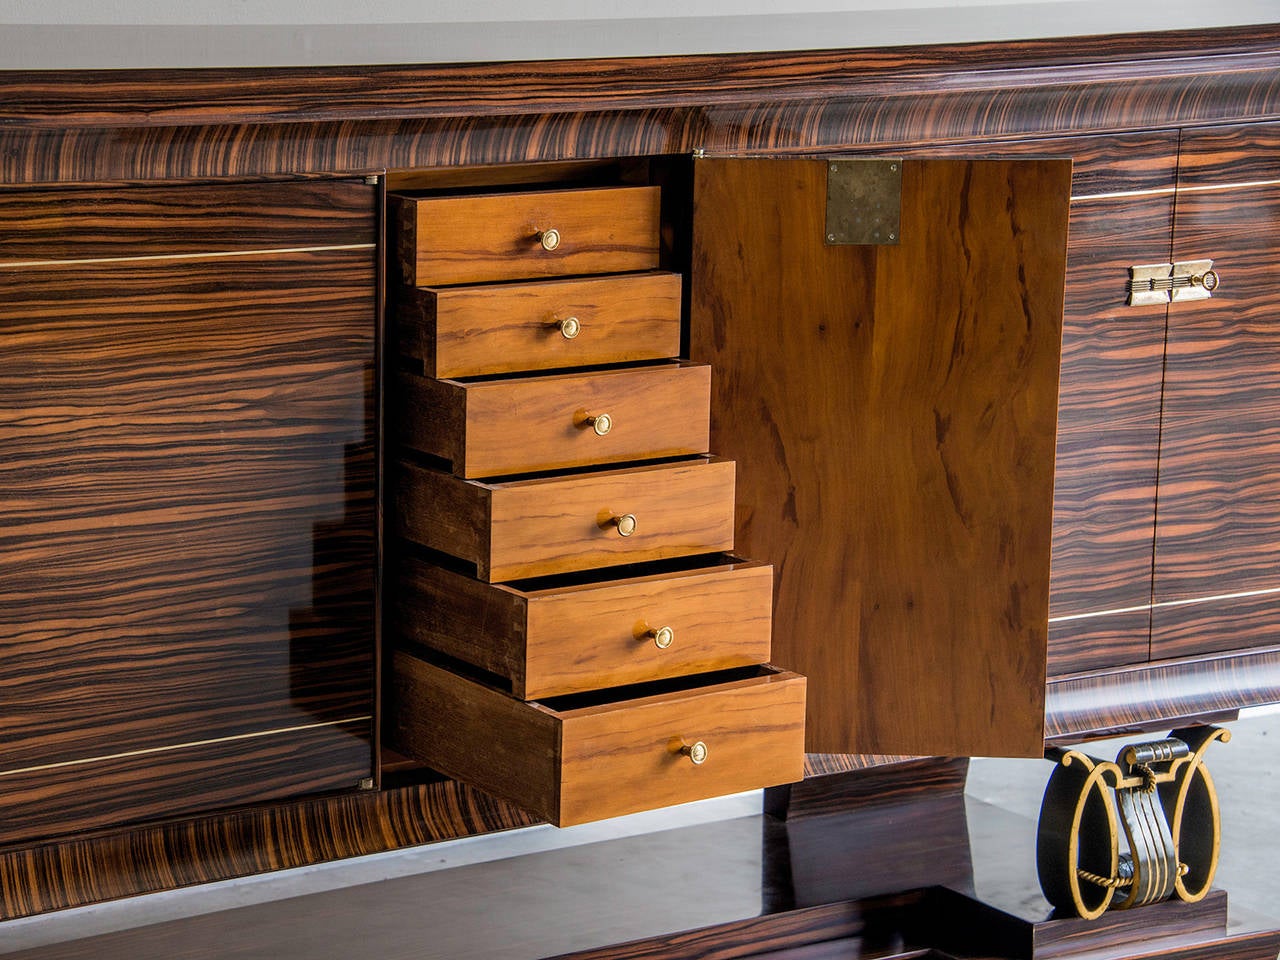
547,34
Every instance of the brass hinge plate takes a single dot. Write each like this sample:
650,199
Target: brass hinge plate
864,201
1171,282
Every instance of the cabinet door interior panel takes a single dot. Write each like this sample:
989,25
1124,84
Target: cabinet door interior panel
187,469
896,405
274,765
194,219
1108,425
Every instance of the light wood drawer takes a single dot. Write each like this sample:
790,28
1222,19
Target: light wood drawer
506,236
477,331
489,428
588,757
578,632
531,528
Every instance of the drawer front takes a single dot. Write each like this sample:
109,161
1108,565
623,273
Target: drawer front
583,636
573,765
517,236
573,420
533,528
622,758
484,330
540,527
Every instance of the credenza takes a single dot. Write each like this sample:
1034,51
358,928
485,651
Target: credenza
872,337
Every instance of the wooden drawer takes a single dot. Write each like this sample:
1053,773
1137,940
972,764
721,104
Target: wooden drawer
477,331
490,428
588,757
530,528
507,236
573,633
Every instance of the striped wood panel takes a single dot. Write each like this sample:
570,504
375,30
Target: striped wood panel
1219,508
187,478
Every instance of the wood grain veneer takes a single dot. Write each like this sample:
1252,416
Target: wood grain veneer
487,428
575,634
187,459
897,406
485,330
535,527
574,764
485,237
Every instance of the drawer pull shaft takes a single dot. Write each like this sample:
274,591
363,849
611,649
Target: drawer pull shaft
696,752
569,327
550,239
662,637
626,524
600,423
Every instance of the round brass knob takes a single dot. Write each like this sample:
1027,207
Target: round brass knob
662,637
569,327
550,239
626,524
1209,280
600,424
696,752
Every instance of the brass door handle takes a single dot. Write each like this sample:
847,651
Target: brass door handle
626,524
550,239
569,327
696,752
600,423
662,637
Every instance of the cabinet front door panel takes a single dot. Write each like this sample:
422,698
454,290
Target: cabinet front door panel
1217,571
893,408
186,460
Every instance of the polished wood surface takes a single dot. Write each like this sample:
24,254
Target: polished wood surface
486,237
484,330
546,525
187,459
83,869
1219,509
1161,695
575,634
897,407
488,428
575,763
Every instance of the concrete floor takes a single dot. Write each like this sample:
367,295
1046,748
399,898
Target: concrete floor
482,869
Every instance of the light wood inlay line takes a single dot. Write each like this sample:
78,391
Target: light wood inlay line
218,255
1165,191
1166,603
255,735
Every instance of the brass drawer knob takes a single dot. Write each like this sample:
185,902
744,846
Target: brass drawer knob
600,423
550,239
626,524
662,637
696,752
569,327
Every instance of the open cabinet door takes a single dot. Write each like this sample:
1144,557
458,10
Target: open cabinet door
892,409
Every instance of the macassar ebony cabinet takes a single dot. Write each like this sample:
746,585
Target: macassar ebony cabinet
286,435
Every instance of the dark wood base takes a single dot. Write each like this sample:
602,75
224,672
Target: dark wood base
831,787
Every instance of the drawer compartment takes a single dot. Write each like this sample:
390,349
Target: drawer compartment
535,527
578,759
477,331
520,236
491,428
568,634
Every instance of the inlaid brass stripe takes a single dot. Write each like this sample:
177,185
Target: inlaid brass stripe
1165,191
257,734
1166,603
219,255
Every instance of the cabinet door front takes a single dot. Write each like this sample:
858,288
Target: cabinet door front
1217,569
893,408
186,460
